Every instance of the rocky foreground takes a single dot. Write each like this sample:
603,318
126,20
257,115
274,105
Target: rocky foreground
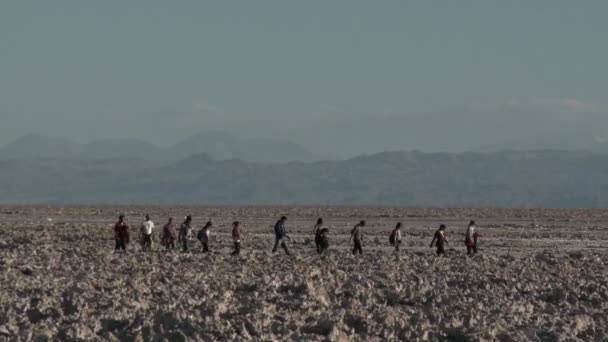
62,281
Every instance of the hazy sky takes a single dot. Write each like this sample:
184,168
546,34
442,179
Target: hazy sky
337,76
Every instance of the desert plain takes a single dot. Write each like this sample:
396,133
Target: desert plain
540,275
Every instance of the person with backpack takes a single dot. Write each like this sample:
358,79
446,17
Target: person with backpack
184,232
440,240
356,235
470,239
236,237
323,240
121,234
203,236
169,235
280,235
395,237
146,234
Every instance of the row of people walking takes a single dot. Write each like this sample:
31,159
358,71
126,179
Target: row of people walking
170,235
320,232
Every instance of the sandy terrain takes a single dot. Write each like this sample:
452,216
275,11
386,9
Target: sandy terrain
540,276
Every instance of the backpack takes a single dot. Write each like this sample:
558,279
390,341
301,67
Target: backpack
391,238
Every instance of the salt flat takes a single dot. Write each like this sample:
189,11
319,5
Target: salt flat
540,275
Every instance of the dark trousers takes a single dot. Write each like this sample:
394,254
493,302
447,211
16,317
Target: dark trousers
472,249
357,247
169,243
205,246
282,243
237,248
185,244
146,242
440,250
323,245
318,244
121,243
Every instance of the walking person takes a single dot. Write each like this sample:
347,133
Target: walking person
236,237
323,239
440,240
395,237
146,234
470,239
184,232
356,235
280,235
121,234
169,235
203,236
316,232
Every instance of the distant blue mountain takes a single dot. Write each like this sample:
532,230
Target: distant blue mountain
218,145
501,179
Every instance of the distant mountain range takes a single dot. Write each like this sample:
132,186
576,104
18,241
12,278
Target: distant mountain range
219,145
511,179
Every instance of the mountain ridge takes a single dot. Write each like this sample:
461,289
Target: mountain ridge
219,145
403,178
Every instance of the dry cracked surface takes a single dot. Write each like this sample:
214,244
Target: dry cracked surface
540,276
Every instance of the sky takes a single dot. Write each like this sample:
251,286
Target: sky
338,77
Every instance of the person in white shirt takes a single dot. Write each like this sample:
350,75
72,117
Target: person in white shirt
470,239
203,236
146,233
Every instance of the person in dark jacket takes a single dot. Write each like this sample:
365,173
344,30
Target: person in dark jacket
316,232
356,235
121,234
280,235
395,238
169,235
440,240
236,237
323,239
203,236
185,231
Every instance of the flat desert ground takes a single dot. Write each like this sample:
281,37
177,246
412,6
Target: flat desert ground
540,275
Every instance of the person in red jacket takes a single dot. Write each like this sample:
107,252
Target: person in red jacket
169,234
121,234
